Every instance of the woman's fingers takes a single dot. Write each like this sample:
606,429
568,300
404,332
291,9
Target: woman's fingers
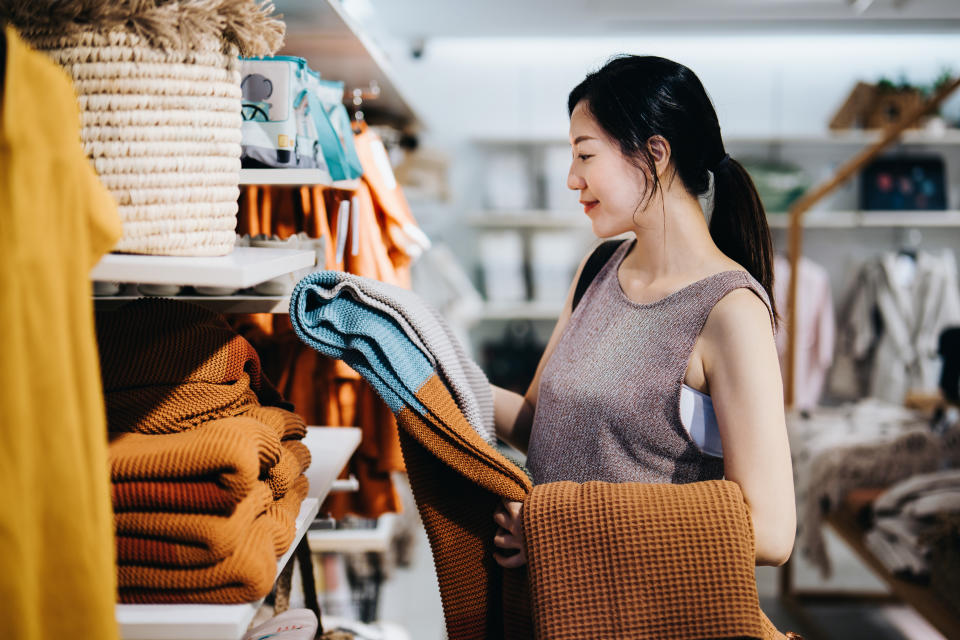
511,562
501,519
506,540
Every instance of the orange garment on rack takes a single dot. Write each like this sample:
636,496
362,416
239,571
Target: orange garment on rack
57,574
324,391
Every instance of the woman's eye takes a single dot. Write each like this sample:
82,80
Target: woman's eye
584,156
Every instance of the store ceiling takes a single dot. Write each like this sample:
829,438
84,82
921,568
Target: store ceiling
424,19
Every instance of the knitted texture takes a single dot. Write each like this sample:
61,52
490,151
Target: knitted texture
187,538
230,453
286,424
294,460
641,561
456,476
424,328
202,540
169,366
246,576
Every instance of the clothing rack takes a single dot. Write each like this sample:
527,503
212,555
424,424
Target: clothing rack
787,592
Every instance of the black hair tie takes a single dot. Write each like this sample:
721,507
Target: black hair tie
722,161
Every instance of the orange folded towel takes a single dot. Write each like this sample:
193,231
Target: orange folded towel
187,539
642,562
169,366
294,460
287,424
246,575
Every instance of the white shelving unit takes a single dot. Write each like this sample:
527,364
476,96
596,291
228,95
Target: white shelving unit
851,137
335,45
242,268
202,621
876,219
520,311
220,304
559,220
330,450
294,177
374,540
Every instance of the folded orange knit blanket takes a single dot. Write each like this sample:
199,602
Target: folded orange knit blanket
246,576
294,461
169,366
287,424
187,539
231,452
639,561
196,540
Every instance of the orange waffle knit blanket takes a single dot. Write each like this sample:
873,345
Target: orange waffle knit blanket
169,366
639,561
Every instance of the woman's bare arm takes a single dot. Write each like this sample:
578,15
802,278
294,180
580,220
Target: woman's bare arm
743,373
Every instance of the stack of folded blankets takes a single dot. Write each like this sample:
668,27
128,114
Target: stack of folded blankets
206,460
905,518
627,561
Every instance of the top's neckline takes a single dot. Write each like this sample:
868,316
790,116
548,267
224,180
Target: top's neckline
643,305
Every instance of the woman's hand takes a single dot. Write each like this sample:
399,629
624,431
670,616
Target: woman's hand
509,538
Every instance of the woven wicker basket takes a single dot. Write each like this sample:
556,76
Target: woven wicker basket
162,127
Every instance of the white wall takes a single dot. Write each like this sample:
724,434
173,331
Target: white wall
778,84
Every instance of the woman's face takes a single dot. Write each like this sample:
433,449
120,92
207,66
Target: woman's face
611,188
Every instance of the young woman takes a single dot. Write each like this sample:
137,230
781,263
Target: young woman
667,370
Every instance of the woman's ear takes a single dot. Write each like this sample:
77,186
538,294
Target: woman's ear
660,150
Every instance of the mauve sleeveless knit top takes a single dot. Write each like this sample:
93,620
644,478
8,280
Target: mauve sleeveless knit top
609,402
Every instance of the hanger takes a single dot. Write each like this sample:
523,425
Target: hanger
910,242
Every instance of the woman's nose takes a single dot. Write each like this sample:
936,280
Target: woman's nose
574,181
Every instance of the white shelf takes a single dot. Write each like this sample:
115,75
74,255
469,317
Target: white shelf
330,450
375,540
202,621
220,304
348,485
336,46
872,219
530,219
302,177
520,311
242,268
851,137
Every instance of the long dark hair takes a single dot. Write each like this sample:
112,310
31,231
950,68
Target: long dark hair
636,97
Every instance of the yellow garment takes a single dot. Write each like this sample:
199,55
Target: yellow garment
57,569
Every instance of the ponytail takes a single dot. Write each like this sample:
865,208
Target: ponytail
739,226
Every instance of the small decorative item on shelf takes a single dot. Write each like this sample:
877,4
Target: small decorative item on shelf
875,106
778,184
159,96
294,119
913,183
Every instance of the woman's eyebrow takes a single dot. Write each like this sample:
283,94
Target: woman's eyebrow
582,138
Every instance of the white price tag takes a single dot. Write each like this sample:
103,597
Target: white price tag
382,160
